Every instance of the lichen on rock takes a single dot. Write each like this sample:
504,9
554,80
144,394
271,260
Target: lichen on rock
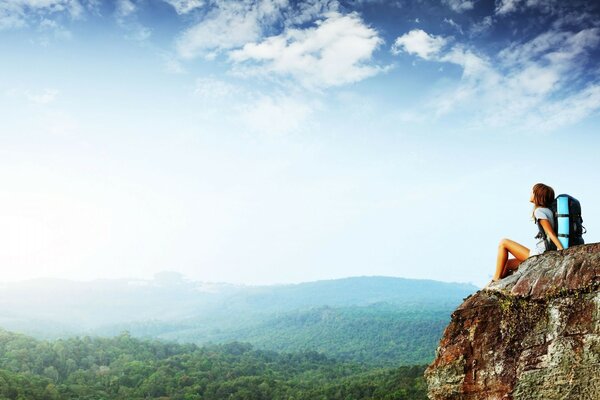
532,335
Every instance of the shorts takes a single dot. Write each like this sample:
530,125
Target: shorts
539,248
535,252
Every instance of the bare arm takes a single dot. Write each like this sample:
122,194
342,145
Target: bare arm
550,233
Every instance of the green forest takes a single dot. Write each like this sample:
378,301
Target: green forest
381,335
124,367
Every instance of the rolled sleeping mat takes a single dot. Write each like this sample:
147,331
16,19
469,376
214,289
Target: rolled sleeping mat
562,212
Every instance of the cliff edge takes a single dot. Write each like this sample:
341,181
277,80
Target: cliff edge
532,335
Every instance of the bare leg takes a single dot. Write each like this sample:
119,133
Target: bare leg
503,263
511,265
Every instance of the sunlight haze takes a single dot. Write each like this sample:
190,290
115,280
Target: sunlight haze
260,142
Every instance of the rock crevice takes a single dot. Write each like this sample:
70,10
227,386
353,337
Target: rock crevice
532,335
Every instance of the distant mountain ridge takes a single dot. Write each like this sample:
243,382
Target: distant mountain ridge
357,291
84,305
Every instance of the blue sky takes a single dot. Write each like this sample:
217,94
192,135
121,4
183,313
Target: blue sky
271,141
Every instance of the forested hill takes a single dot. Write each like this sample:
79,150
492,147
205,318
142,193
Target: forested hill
123,367
380,321
379,335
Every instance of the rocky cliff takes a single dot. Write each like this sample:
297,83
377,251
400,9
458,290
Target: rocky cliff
532,335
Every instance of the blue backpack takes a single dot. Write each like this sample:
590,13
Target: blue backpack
567,221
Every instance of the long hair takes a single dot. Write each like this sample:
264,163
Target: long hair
543,196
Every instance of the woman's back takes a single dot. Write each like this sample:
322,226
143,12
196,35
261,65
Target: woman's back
542,213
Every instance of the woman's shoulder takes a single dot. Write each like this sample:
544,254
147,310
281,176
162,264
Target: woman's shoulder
543,213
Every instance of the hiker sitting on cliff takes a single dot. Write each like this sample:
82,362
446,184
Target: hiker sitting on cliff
542,197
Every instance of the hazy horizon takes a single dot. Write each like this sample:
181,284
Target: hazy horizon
176,277
273,141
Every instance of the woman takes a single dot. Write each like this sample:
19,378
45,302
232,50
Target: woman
542,197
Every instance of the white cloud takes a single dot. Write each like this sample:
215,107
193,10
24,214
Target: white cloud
12,16
276,115
73,7
238,108
473,65
44,96
185,6
535,80
229,25
420,43
212,89
460,5
309,10
173,66
453,24
125,14
504,7
338,50
52,29
138,32
482,26
125,8
535,85
568,110
20,13
558,48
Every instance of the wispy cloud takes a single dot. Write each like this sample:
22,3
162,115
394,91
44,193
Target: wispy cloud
276,115
174,66
504,7
185,6
213,89
244,108
453,24
125,8
43,96
460,5
22,13
298,13
52,30
555,48
482,26
125,14
11,16
533,85
228,25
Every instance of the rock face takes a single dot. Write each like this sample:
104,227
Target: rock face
532,335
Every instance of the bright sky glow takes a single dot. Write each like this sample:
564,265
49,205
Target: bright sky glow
271,141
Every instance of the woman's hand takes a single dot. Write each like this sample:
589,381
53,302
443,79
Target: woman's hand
550,233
